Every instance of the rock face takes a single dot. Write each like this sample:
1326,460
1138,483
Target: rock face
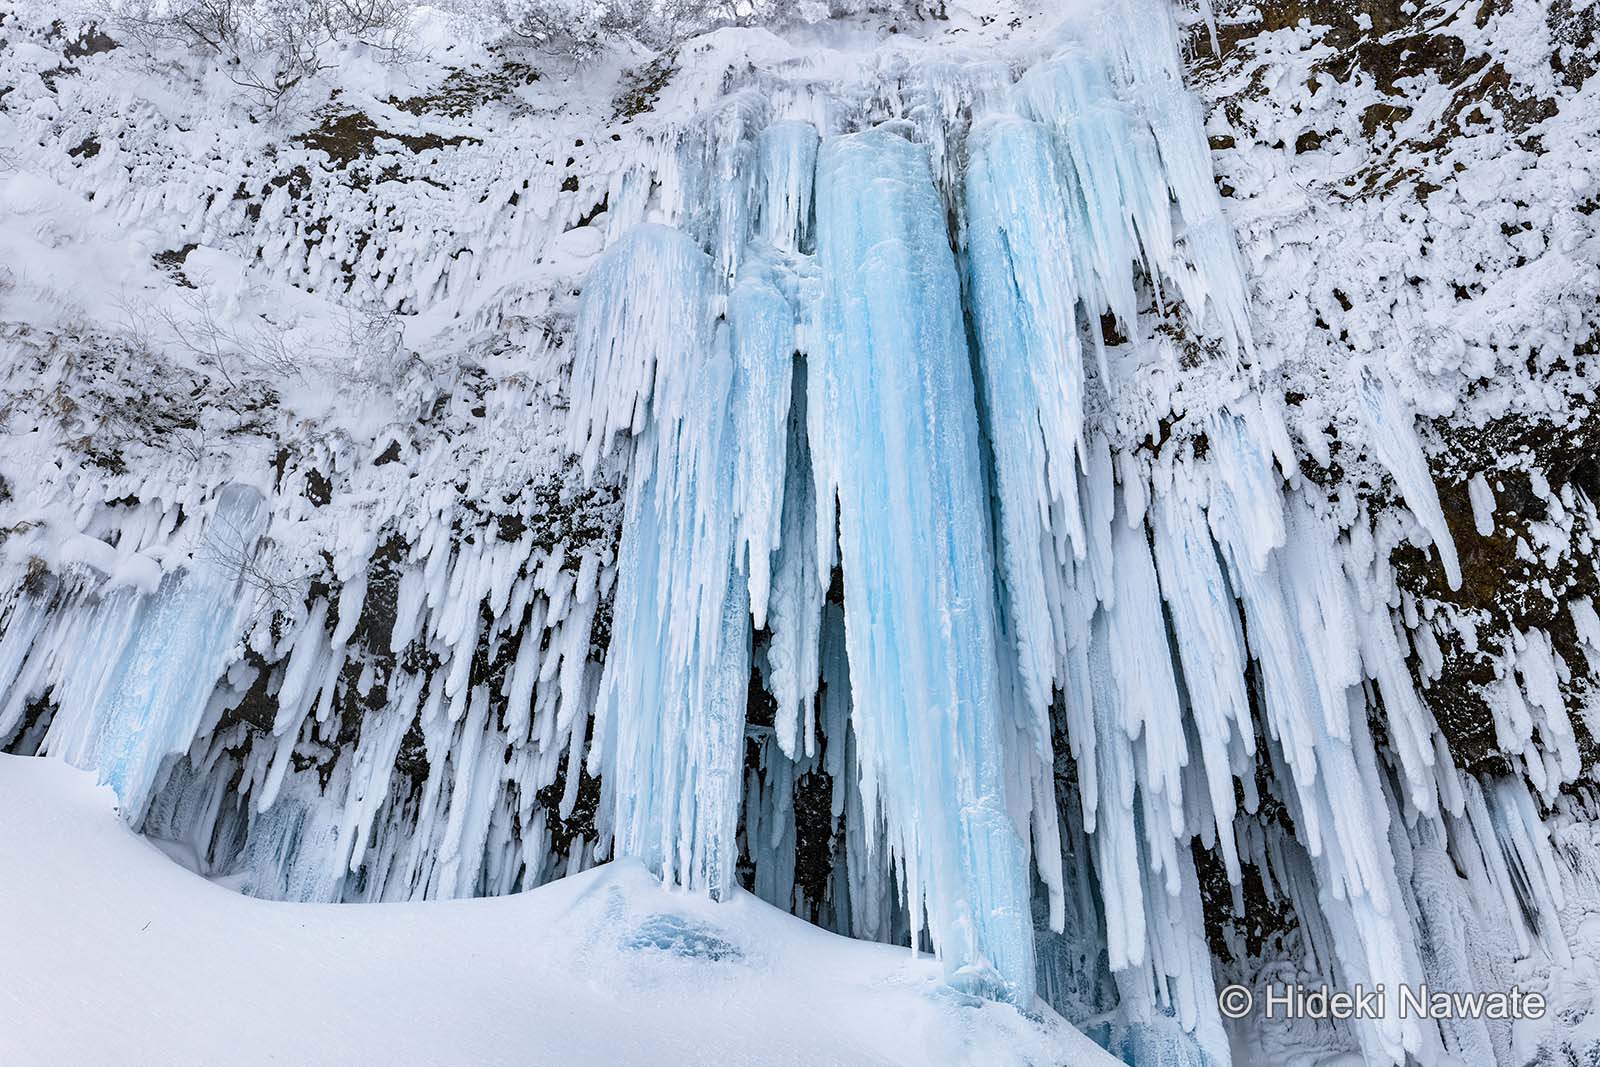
888,462
1426,172
1439,174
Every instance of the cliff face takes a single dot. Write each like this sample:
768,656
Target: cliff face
337,378
1416,187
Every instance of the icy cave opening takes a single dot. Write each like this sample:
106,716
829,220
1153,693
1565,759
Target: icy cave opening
889,591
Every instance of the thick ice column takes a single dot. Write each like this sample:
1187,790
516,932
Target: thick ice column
672,736
643,327
708,409
150,661
763,350
895,436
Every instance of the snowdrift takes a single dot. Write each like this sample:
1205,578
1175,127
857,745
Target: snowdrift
116,954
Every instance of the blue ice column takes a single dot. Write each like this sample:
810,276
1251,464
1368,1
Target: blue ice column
894,433
663,726
151,661
706,404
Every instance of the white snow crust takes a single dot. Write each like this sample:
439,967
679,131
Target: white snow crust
603,967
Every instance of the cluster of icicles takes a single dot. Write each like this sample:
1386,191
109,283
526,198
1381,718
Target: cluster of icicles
1054,665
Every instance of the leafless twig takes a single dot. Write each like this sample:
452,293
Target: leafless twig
269,47
227,349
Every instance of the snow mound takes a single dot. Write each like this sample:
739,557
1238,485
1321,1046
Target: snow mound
115,954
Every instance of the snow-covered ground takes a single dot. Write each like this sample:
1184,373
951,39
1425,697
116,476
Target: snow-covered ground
606,967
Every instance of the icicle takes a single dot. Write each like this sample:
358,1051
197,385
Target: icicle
1210,643
1395,441
1482,505
1025,293
798,592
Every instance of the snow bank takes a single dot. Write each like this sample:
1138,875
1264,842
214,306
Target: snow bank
118,955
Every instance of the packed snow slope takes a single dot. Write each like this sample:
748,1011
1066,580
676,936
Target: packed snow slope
132,959
1102,493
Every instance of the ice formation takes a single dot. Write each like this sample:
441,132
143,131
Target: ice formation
885,540
136,674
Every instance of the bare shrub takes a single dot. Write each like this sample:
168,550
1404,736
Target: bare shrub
575,28
224,347
372,350
259,567
580,28
194,444
268,46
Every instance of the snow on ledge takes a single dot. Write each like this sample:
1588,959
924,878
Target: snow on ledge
115,954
